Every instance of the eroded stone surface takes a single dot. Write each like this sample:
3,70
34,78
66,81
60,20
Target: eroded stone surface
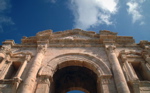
75,60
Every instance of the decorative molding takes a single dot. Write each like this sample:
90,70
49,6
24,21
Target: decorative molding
145,44
77,36
78,59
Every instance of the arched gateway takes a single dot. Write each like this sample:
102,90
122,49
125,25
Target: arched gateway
75,60
76,71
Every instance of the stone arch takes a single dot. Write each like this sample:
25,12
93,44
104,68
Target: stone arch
94,64
76,59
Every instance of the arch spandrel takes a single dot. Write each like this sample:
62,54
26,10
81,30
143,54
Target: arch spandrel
76,59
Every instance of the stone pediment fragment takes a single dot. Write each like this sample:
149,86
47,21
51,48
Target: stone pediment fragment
73,37
75,34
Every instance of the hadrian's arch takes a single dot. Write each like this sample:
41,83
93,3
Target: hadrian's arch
58,62
75,71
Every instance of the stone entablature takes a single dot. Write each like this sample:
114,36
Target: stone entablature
107,62
78,36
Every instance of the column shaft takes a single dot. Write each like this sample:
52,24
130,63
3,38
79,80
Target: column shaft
17,78
120,81
30,81
21,69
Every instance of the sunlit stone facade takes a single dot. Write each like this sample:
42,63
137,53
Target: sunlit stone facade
58,62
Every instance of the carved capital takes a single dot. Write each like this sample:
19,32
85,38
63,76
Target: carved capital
144,44
145,54
27,57
7,57
124,58
42,48
123,55
5,48
110,48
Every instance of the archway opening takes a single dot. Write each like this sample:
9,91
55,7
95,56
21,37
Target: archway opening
75,91
75,78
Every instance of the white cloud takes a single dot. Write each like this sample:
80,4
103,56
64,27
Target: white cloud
134,9
142,23
90,13
5,20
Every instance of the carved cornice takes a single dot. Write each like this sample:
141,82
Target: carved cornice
132,56
56,37
9,42
130,53
145,44
19,56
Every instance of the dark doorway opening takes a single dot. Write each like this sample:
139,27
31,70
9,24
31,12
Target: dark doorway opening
74,78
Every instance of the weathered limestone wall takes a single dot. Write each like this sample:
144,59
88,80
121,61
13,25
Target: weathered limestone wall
95,51
120,65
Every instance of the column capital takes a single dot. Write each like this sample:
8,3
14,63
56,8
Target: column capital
5,48
146,55
124,58
110,48
27,57
41,48
7,57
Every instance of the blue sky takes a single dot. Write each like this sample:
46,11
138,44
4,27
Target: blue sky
27,17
